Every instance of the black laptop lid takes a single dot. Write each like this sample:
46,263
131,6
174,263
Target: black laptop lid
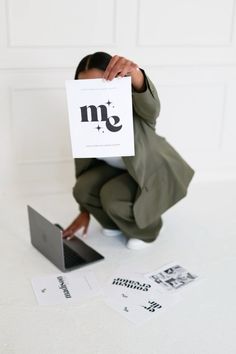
46,237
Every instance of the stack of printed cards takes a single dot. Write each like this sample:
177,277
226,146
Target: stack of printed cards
140,297
134,296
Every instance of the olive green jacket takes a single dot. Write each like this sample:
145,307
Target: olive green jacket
160,172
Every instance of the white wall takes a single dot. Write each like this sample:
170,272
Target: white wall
188,47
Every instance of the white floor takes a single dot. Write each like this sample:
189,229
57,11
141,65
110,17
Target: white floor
199,233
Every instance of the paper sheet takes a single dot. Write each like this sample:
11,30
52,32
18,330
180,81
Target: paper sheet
100,117
171,277
135,297
65,288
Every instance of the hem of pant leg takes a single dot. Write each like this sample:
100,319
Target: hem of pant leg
141,239
109,227
144,240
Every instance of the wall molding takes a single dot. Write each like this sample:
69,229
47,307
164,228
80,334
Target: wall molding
45,161
187,45
10,46
32,70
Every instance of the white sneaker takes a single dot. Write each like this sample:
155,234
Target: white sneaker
111,232
135,244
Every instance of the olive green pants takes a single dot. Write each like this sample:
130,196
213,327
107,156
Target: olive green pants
108,193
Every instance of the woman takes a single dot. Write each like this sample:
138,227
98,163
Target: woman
129,194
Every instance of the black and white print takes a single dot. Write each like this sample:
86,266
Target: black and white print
172,277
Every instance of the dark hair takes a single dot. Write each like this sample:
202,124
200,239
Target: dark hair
98,60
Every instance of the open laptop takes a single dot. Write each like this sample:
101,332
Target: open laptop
47,238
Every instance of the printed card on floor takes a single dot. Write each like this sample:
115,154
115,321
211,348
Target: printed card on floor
65,288
137,298
171,277
139,311
100,117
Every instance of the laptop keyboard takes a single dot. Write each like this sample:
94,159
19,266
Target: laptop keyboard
71,257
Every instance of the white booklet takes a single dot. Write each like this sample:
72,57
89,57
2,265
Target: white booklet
65,288
100,117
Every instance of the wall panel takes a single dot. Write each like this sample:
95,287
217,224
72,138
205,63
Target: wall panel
40,125
185,23
191,115
228,141
52,23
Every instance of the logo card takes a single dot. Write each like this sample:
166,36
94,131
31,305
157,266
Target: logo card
100,117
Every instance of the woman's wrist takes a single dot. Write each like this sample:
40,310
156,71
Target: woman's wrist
85,212
138,80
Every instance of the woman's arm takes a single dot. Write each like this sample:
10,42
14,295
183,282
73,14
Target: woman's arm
147,104
145,98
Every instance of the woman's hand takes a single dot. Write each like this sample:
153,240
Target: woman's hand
120,66
81,222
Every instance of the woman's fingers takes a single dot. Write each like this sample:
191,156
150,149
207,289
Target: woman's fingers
85,231
119,66
70,237
110,66
80,223
129,67
69,233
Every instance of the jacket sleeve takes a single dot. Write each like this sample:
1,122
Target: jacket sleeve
147,104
